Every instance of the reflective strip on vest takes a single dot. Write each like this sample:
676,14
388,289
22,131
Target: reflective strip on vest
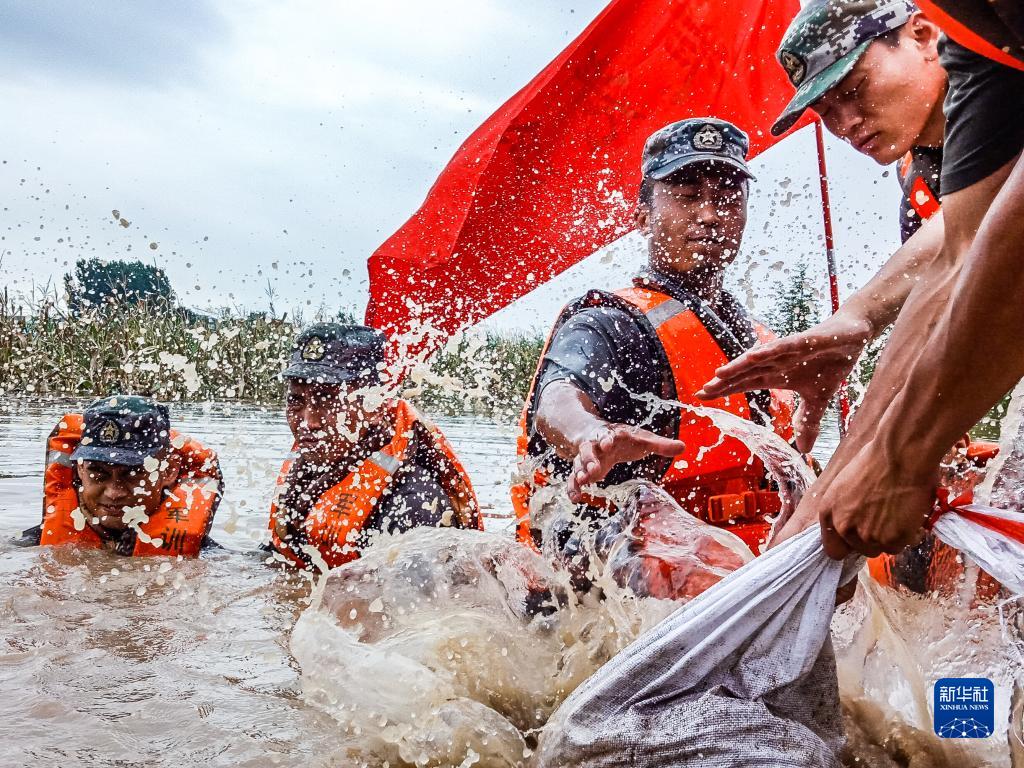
388,463
671,309
664,312
60,457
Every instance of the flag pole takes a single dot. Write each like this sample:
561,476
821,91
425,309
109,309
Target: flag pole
830,255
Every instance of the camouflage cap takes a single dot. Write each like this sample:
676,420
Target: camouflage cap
123,429
825,41
694,140
333,353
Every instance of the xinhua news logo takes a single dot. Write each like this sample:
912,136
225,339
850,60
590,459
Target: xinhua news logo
965,708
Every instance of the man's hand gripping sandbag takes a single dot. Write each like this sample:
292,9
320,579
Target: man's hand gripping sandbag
744,675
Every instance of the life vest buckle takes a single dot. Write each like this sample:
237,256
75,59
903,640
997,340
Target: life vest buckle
749,505
732,506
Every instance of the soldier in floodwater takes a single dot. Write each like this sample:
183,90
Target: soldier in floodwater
118,476
364,461
604,407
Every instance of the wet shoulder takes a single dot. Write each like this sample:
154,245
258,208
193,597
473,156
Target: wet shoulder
990,27
616,327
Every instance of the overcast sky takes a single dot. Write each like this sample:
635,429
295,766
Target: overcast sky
248,141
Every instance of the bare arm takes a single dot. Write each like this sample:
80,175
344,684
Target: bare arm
568,420
566,417
955,350
927,302
815,363
975,355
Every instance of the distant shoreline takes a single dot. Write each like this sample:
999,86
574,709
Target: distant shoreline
178,356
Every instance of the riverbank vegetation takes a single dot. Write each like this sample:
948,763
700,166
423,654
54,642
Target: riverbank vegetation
57,348
480,373
118,328
145,347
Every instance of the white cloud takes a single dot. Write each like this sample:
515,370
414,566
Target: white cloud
302,134
311,54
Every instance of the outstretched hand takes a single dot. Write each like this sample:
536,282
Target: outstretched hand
611,445
814,364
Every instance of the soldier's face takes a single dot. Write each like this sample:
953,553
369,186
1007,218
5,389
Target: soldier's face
696,220
107,491
325,419
887,102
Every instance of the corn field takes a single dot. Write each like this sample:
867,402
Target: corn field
175,355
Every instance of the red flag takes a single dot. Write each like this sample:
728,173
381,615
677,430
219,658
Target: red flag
553,175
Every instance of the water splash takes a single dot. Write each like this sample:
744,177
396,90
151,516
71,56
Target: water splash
470,705
450,647
446,647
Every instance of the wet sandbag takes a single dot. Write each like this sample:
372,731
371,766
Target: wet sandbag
657,549
443,647
743,675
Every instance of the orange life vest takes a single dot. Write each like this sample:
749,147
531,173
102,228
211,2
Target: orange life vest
338,517
177,528
921,197
941,570
715,478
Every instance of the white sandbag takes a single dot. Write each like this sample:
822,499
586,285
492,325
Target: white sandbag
742,675
995,545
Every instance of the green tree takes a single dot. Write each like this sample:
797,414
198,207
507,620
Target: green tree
96,283
348,317
865,369
794,303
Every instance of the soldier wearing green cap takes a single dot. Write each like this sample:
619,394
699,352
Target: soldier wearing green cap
119,476
955,287
365,462
870,69
602,409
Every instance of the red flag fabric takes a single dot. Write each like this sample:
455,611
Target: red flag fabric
553,175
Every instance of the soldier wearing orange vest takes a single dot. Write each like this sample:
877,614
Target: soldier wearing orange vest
871,70
603,404
118,476
876,72
364,461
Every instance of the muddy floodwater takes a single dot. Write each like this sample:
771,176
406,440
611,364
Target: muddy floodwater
111,661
